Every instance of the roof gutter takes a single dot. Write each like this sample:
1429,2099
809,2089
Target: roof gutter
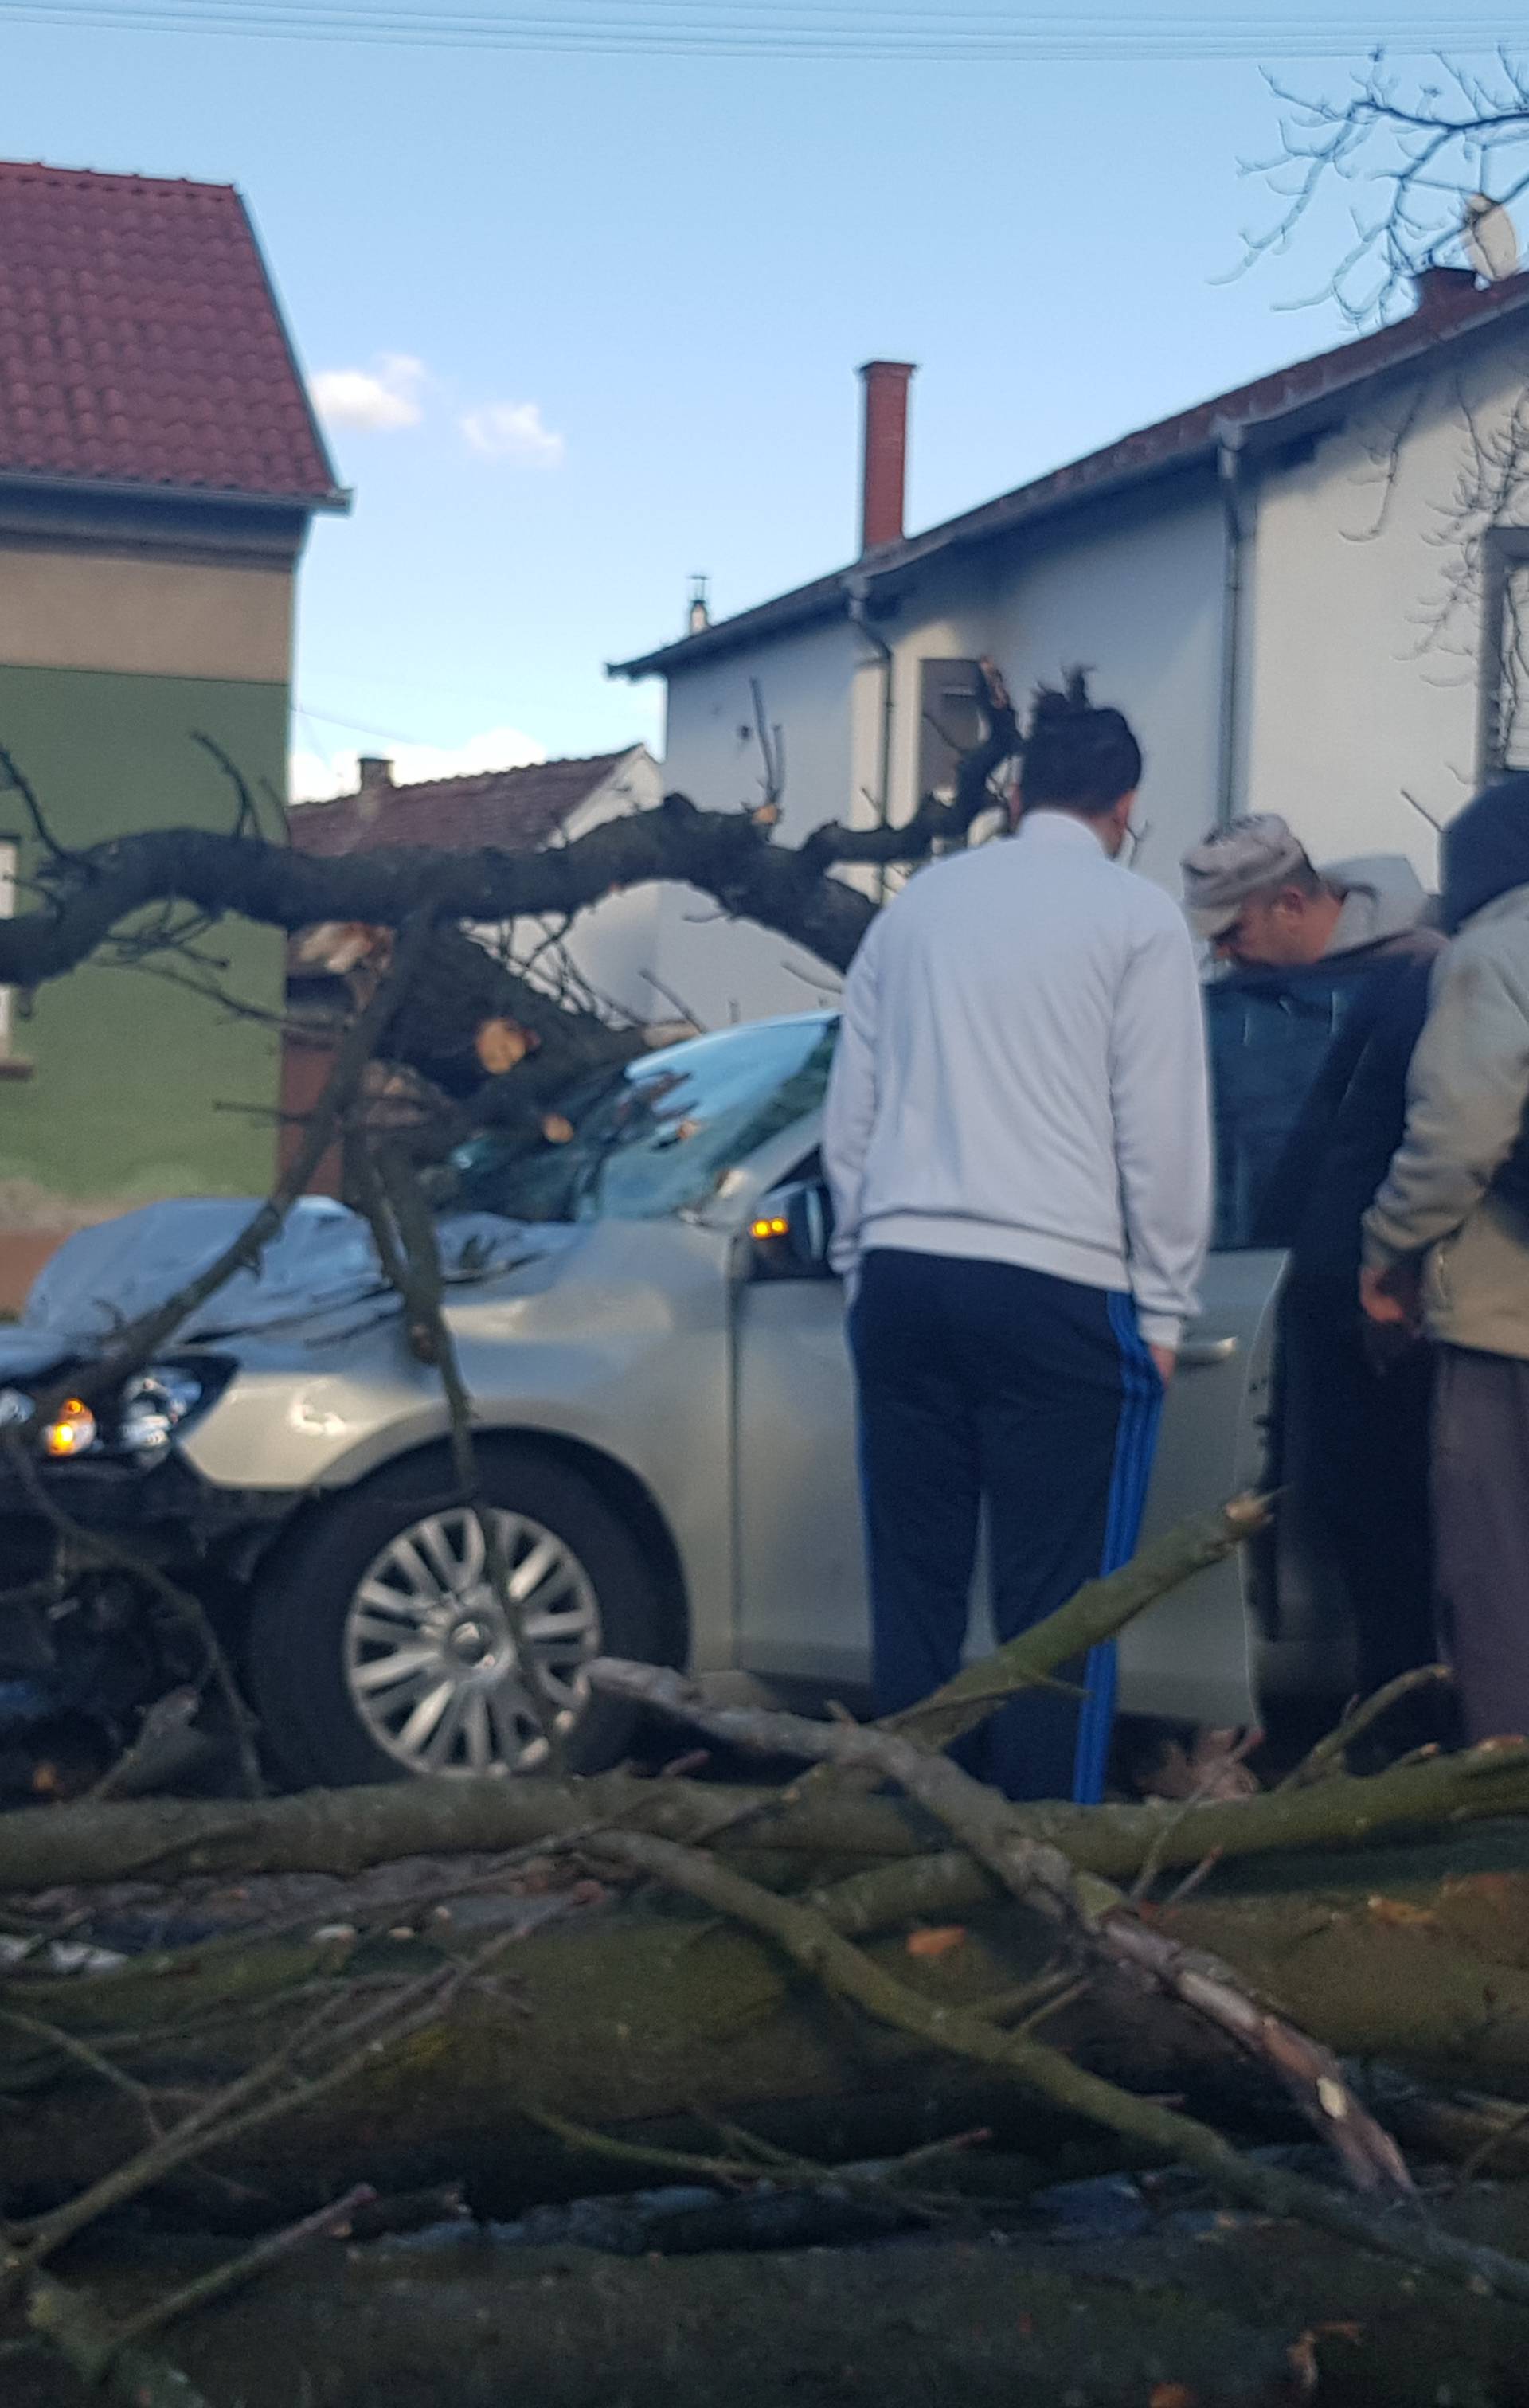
125,489
857,586
1231,440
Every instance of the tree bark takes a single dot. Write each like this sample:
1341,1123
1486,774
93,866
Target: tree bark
638,2020
345,1830
729,855
1101,1926
83,2337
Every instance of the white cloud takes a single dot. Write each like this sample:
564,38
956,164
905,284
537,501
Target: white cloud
513,431
313,777
380,400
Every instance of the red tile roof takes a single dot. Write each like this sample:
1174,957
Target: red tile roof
1450,307
141,343
517,809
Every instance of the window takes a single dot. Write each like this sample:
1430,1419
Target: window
1505,653
950,721
659,1136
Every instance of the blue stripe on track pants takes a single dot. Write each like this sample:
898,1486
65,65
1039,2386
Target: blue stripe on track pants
984,1384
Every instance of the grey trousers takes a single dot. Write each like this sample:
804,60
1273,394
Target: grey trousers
1481,1483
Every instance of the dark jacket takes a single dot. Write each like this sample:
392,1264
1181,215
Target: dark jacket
1351,1123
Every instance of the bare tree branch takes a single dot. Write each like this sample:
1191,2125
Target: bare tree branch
727,854
934,822
1410,145
1098,1918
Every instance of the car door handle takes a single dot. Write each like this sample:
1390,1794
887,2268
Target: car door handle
1195,1354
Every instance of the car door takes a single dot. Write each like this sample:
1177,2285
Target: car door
802,1606
1192,1656
1272,1620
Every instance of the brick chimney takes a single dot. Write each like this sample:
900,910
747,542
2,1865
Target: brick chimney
375,783
884,453
1440,290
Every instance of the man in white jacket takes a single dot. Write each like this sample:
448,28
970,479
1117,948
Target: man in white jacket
1017,1146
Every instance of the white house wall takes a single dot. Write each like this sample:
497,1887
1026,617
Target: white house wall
1353,704
1137,598
1131,593
727,969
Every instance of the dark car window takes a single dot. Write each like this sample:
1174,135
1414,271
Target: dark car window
659,1136
1267,1034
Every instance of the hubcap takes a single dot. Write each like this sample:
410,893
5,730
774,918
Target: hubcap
430,1654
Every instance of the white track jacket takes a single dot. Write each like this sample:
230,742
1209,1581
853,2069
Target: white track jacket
1020,1074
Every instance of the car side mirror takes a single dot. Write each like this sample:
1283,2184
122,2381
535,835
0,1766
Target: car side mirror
791,1232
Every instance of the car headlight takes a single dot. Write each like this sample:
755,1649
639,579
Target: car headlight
72,1430
149,1408
154,1403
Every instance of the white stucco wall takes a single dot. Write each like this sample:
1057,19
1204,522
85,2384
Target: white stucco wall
727,969
1352,697
1134,596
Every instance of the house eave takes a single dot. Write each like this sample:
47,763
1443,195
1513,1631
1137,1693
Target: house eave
1087,480
337,501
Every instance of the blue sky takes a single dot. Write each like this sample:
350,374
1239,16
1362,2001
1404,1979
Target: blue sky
629,294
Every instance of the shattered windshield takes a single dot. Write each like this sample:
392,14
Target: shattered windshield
658,1136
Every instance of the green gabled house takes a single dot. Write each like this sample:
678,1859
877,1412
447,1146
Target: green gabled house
159,465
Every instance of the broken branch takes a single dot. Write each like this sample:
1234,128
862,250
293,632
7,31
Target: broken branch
1099,1918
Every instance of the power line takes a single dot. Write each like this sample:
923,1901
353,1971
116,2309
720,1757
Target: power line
769,17
357,727
838,29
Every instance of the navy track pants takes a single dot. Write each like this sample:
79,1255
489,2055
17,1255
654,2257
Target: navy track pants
984,1384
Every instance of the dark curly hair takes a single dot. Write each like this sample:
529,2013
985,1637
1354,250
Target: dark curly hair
1078,757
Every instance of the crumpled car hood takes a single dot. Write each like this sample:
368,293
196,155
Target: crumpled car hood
321,1265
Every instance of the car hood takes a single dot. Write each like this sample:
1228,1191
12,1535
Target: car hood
319,1269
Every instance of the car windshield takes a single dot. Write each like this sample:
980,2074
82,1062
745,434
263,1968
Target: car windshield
659,1136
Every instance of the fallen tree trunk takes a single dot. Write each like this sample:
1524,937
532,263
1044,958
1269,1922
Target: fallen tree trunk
504,2068
635,2020
1100,1925
346,1830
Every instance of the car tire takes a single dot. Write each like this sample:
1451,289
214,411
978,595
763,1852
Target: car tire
301,1640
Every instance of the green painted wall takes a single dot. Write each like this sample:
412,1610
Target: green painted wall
129,1069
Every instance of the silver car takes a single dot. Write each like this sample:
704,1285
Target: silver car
655,1345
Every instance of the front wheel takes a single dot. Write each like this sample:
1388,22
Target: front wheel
377,1646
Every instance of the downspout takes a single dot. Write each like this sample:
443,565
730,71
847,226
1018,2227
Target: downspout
1229,455
857,589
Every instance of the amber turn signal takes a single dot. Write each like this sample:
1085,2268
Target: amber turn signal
71,1431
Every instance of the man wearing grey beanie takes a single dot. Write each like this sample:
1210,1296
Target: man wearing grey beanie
1337,961
1253,894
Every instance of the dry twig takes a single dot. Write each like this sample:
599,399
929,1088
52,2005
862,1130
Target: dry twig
1098,1918
809,1940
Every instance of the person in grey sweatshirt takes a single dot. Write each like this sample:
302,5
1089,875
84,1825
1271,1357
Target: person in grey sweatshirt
1017,1146
1253,894
1340,957
1447,1246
